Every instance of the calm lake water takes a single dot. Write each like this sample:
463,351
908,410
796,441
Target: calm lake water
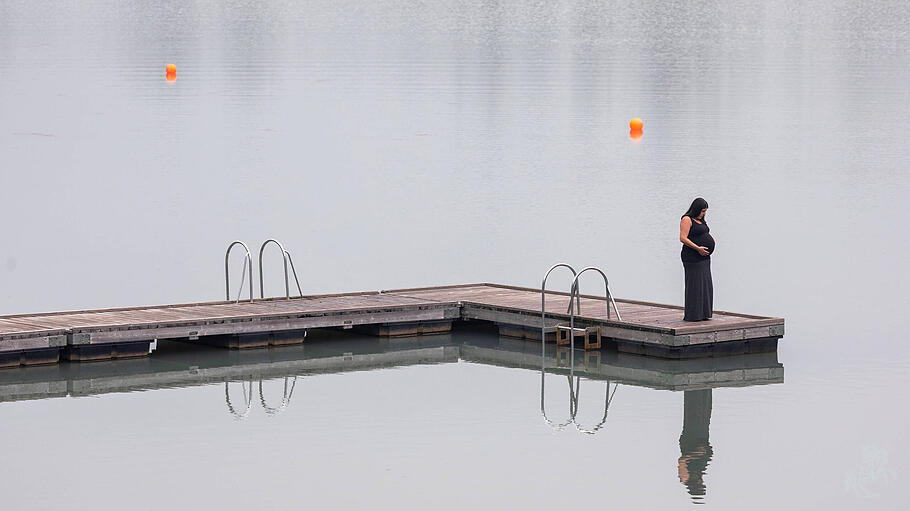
394,144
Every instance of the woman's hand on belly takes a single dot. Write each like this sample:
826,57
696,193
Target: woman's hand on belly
708,243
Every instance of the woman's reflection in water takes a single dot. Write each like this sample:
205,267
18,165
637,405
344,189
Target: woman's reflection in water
694,448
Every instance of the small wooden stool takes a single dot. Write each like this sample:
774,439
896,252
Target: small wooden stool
591,336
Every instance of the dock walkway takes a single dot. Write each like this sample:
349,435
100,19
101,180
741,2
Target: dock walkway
646,328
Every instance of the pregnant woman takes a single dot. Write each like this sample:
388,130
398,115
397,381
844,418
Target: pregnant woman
696,258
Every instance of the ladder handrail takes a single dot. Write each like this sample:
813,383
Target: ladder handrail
609,296
543,343
286,256
247,259
294,271
574,291
543,300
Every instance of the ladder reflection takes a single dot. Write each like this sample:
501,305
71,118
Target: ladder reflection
574,393
290,382
240,372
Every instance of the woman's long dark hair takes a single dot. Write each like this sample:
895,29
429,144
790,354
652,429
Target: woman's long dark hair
696,207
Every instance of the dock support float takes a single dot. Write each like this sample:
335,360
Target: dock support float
741,347
251,340
410,329
106,351
31,350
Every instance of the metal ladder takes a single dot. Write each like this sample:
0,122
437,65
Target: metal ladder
247,263
248,270
543,298
574,307
574,293
287,259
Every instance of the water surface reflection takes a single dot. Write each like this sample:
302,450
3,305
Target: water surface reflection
270,377
246,387
694,447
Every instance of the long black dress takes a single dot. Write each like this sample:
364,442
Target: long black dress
699,287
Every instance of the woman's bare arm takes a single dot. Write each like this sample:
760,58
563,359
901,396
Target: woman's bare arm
684,225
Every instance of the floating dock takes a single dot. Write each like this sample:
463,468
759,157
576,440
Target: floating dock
645,328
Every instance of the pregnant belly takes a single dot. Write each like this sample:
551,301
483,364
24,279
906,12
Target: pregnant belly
705,240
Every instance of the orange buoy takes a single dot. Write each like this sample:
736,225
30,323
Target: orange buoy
170,72
636,124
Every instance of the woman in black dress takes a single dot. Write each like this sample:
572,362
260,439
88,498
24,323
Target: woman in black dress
696,258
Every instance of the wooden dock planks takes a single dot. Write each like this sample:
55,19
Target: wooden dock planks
656,316
646,328
642,322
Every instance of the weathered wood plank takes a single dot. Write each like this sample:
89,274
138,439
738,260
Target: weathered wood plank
644,322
